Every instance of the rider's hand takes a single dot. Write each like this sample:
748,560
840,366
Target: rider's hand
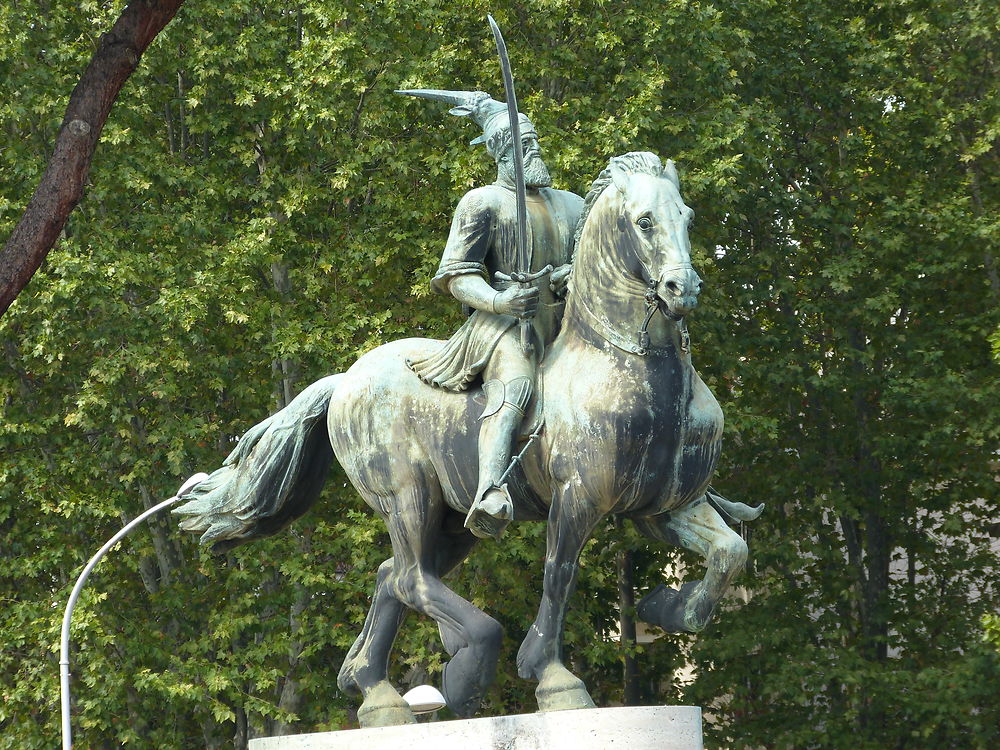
559,278
521,302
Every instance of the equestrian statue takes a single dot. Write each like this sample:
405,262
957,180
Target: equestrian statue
567,395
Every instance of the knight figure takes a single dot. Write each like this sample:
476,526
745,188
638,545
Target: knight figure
479,260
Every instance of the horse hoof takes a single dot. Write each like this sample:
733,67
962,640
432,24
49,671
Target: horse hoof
665,608
561,690
461,688
384,707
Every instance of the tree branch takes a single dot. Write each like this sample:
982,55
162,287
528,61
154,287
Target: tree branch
61,186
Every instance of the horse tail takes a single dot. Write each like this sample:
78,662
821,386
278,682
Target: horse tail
271,478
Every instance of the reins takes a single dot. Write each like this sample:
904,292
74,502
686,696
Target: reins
652,305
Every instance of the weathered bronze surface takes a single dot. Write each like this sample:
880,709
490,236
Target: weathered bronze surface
629,428
598,369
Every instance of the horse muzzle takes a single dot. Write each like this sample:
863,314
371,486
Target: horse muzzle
678,289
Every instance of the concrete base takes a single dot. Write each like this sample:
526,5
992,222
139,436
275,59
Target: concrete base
643,728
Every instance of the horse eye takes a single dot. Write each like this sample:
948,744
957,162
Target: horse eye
645,223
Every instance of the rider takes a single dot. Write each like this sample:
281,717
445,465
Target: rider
483,242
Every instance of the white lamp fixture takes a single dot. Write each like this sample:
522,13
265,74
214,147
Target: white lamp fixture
424,698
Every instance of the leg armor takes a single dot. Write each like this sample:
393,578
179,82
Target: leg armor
515,394
492,508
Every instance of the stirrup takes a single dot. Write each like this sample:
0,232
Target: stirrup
490,523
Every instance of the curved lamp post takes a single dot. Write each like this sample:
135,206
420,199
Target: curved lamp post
67,730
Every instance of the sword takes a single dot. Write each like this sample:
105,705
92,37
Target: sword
522,273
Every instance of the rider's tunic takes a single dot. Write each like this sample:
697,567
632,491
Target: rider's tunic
482,241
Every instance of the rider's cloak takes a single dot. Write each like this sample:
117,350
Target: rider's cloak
482,241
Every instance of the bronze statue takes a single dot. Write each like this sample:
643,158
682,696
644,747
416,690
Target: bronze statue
620,422
629,429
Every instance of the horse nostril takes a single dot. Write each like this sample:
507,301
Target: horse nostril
674,287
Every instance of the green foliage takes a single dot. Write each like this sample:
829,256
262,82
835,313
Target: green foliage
262,209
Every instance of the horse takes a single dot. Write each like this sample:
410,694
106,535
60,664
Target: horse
624,426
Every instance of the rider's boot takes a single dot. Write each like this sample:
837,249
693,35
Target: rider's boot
493,509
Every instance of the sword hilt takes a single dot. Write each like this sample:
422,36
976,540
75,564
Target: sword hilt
522,277
525,279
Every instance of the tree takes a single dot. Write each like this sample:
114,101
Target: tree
864,279
264,209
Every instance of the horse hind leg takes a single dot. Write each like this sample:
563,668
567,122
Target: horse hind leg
423,552
365,670
471,637
700,528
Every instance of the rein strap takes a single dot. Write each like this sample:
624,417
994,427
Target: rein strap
641,348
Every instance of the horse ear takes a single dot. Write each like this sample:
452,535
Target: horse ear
620,177
670,172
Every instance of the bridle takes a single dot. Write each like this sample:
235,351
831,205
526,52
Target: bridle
654,303
640,345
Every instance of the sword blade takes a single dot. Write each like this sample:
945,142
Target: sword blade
520,192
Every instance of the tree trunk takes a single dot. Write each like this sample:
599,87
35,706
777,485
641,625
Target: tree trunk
631,693
876,537
241,737
290,698
61,187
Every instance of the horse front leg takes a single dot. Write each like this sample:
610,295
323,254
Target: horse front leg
699,528
571,521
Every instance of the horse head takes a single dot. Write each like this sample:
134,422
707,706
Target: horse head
654,219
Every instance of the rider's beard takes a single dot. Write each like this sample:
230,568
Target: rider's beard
536,174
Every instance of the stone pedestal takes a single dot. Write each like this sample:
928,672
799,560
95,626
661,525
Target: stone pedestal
642,728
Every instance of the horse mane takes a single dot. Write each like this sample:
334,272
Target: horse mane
634,162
